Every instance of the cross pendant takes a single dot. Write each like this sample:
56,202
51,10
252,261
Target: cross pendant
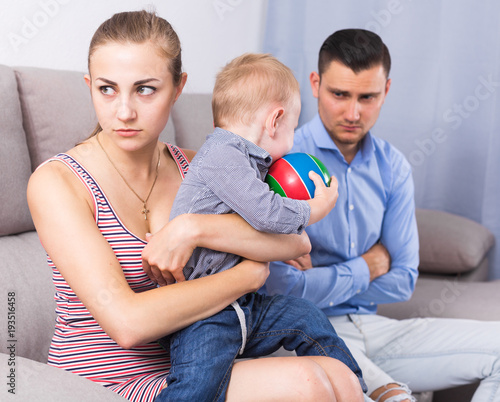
145,211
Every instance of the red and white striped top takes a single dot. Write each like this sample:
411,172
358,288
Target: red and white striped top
79,344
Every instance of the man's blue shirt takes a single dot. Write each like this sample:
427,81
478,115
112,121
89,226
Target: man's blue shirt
375,204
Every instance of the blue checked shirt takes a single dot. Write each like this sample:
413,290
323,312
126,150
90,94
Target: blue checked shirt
375,204
226,176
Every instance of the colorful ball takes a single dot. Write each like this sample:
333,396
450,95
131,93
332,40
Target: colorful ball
289,176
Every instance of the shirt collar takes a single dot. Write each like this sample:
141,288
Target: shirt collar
253,150
322,140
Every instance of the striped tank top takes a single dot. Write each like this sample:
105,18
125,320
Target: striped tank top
79,344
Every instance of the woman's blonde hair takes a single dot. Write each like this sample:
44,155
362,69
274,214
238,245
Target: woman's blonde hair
248,83
140,27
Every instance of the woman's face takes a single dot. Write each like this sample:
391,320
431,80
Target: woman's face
132,91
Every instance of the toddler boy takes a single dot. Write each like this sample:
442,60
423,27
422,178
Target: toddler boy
256,106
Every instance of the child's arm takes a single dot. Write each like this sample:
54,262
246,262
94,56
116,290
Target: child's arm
324,197
231,178
168,251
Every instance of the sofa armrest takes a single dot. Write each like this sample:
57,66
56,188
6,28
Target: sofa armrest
449,243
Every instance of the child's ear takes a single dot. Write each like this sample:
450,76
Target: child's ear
273,119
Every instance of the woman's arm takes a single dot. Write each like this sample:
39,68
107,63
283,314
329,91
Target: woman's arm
234,235
65,223
169,250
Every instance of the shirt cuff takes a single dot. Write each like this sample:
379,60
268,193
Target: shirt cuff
306,208
361,274
302,211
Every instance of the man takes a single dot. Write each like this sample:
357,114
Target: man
366,251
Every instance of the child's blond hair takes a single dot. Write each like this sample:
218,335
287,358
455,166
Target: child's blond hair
248,83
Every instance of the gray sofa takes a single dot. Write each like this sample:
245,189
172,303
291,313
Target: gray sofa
43,112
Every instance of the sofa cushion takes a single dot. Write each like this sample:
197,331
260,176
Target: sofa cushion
54,101
479,274
450,243
28,279
15,166
40,382
448,299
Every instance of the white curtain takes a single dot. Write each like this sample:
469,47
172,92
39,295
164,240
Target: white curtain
443,108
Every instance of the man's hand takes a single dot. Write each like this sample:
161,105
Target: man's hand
378,260
302,263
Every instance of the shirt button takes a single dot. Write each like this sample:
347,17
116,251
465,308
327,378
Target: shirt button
349,170
351,207
352,245
372,303
331,304
358,291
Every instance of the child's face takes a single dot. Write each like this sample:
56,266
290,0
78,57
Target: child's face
286,125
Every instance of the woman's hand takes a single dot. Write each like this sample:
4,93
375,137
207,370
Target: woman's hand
255,273
168,250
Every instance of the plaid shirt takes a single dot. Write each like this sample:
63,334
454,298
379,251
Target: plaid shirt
227,176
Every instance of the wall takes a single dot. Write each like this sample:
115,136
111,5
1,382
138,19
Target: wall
56,33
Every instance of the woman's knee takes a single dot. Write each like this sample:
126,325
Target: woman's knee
344,382
311,381
280,378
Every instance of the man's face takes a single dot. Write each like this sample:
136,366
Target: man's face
349,103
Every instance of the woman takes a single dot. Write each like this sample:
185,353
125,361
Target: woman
107,194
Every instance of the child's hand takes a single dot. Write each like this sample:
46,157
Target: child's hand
324,199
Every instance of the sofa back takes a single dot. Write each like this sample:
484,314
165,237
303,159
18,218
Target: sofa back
44,112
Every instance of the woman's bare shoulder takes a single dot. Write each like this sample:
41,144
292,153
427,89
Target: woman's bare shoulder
53,179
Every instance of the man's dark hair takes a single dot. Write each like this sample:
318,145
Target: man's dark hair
357,49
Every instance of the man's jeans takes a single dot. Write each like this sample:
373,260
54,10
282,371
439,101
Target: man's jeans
426,354
203,353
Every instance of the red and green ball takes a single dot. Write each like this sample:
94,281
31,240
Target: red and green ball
289,176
